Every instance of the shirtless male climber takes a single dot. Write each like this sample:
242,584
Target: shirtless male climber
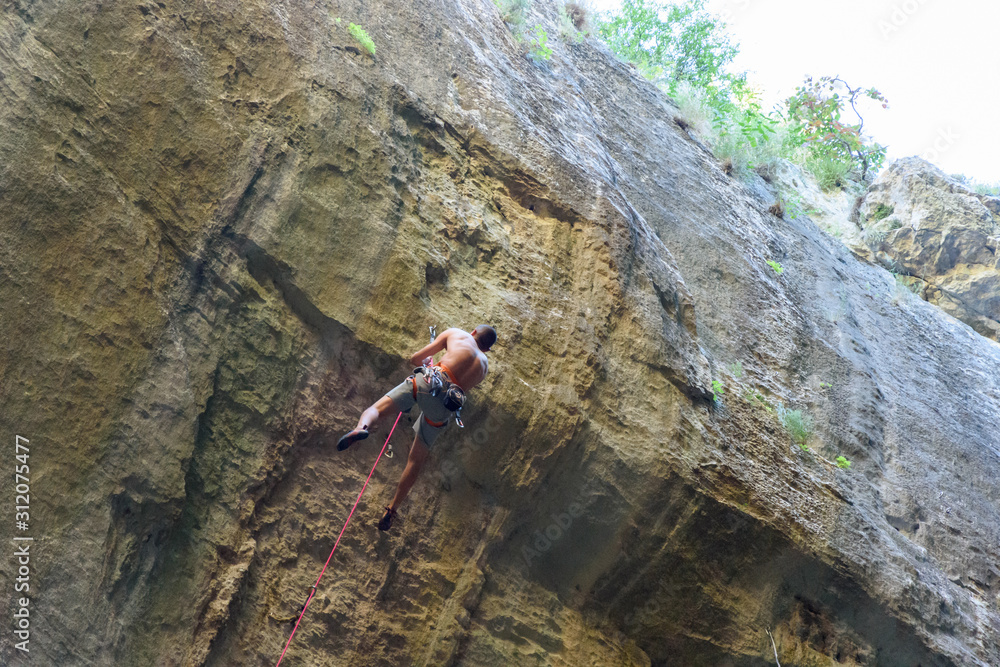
430,387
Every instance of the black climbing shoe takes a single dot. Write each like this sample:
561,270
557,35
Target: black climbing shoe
386,522
349,439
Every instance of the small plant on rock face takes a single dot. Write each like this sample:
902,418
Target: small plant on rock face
736,368
798,425
795,206
906,287
362,37
830,173
572,20
778,268
842,462
717,390
512,12
882,212
873,237
756,397
538,48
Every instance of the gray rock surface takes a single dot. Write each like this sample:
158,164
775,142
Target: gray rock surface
801,195
225,226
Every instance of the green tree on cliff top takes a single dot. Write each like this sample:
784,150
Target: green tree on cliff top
671,43
674,44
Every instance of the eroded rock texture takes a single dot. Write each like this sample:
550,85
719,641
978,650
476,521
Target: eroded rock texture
225,225
925,225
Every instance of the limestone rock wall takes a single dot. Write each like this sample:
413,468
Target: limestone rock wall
925,225
224,226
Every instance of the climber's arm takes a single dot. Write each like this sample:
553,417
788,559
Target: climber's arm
439,343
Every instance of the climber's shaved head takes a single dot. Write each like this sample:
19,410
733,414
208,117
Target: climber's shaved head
485,336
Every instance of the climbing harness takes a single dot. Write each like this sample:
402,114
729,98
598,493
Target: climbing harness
312,589
453,396
427,364
439,380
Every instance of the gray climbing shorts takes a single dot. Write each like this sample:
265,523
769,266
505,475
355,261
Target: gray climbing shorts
434,417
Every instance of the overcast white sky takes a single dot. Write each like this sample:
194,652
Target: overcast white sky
937,62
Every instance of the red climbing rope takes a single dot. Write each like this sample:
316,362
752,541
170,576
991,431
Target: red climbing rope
312,591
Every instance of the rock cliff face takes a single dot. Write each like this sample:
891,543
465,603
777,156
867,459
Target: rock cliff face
924,225
224,227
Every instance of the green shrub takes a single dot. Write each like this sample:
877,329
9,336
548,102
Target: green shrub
695,110
538,48
778,268
512,12
988,189
683,43
831,173
795,207
842,462
747,157
717,390
685,50
755,396
798,425
815,113
362,37
882,212
736,368
671,42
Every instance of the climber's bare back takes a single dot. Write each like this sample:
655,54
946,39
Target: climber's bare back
462,358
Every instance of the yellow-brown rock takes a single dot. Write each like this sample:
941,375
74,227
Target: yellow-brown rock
224,227
940,234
